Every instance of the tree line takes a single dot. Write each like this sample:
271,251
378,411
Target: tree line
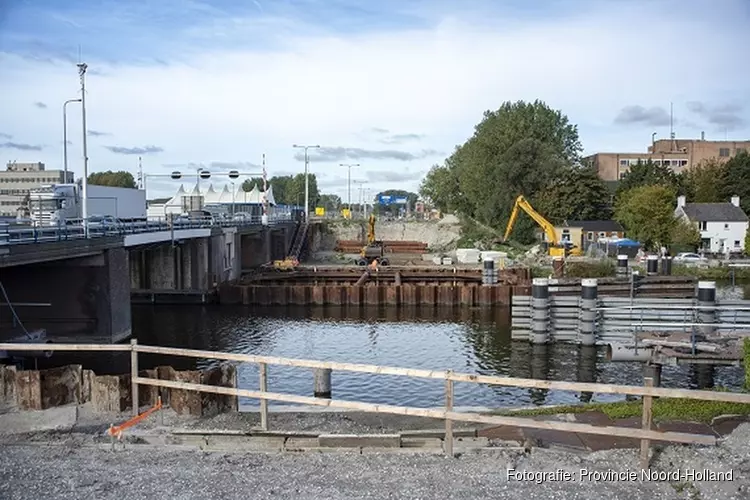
529,149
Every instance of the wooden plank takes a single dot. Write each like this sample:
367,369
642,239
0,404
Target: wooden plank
448,422
677,437
263,368
646,424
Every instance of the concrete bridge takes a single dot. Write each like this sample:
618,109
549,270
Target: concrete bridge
81,287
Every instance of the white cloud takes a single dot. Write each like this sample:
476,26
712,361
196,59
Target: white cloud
233,105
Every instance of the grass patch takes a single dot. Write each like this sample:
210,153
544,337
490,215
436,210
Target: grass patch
599,269
712,273
664,409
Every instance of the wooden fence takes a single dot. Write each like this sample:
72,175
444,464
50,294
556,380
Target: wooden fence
645,434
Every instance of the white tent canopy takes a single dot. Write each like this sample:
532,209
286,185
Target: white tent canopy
212,196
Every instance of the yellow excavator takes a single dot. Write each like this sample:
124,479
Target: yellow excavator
556,247
373,254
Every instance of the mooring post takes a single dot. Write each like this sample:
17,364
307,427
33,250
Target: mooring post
666,266
322,383
622,266
263,372
652,265
706,309
587,318
488,271
448,440
134,375
539,310
652,371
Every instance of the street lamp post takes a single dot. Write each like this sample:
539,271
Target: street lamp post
65,136
349,182
307,182
85,212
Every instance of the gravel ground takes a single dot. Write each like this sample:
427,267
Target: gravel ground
70,470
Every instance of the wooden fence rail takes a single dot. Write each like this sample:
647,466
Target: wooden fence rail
645,434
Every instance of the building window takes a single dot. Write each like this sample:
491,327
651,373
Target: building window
703,225
623,163
723,151
683,163
633,162
736,243
726,226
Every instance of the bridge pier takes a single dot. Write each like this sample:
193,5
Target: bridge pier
87,297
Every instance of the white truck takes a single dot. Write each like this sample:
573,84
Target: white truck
57,204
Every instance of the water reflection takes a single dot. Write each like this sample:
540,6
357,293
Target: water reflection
465,340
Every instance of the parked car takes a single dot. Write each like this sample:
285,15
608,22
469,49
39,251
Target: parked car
104,223
690,258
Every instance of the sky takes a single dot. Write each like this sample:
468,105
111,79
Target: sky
392,85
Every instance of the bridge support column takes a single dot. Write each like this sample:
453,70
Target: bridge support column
113,296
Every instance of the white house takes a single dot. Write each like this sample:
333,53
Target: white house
722,225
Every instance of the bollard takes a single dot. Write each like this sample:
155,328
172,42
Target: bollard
666,266
322,383
652,371
622,266
707,300
488,271
587,319
652,265
539,310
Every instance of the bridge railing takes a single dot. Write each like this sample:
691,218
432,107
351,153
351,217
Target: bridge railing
645,434
74,229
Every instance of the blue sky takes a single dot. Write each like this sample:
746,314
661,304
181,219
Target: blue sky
392,85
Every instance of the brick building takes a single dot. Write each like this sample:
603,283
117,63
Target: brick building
678,154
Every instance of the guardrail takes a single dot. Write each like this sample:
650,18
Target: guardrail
645,434
74,230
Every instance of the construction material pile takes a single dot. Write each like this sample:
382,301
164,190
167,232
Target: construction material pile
390,246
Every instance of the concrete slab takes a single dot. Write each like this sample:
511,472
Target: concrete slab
300,443
502,433
470,442
597,418
438,433
59,418
421,442
725,424
558,439
361,440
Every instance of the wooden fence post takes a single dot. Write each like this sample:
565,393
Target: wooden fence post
448,422
134,375
263,369
646,423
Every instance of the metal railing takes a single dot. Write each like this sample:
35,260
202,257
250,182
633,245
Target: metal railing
74,230
645,434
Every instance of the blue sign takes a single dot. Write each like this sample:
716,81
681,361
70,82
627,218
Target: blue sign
386,199
400,201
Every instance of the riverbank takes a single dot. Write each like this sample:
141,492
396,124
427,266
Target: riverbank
74,461
605,268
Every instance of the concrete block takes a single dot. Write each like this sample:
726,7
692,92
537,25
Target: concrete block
300,443
186,402
8,385
422,442
28,390
470,442
105,393
437,433
61,386
359,440
402,451
224,375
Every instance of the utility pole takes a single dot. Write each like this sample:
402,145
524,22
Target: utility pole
85,212
141,179
307,182
65,137
349,182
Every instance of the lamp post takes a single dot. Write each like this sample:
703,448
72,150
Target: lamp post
85,181
307,182
232,183
65,136
349,182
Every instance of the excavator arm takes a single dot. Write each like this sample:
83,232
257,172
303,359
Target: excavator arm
547,227
371,230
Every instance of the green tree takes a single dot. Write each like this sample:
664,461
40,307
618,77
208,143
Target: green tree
393,209
331,202
704,183
648,174
115,179
737,179
685,236
578,194
747,242
647,213
518,149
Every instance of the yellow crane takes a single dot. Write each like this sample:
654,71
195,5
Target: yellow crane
556,247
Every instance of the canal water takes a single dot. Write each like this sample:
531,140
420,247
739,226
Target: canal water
465,340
